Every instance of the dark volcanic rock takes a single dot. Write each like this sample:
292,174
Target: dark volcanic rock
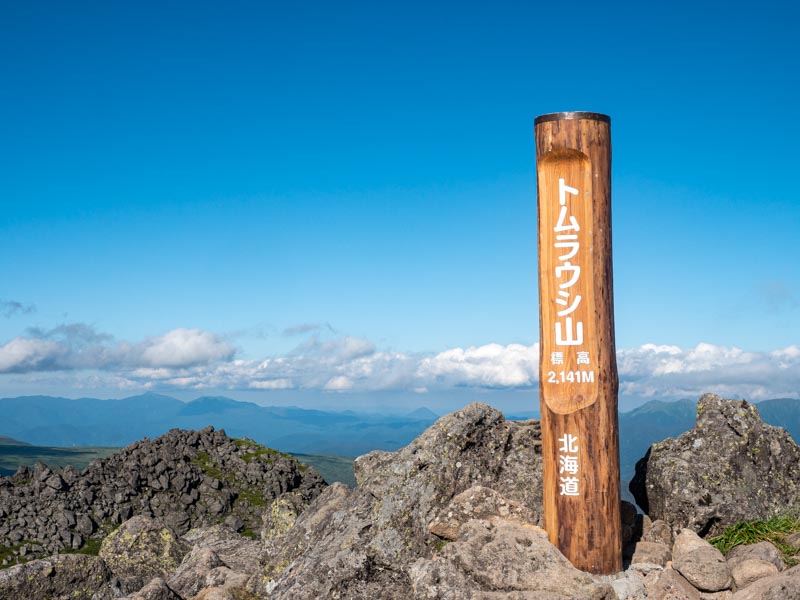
731,467
360,543
184,478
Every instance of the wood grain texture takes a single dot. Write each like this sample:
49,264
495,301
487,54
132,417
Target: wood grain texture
578,373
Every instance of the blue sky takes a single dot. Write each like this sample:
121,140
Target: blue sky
304,202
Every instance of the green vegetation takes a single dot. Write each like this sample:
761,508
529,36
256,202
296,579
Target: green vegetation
774,530
10,552
243,492
90,547
15,455
440,544
210,468
256,450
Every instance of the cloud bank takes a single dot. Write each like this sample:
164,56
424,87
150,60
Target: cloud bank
196,359
78,346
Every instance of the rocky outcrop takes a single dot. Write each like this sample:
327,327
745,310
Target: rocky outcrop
360,543
140,550
184,478
731,467
504,561
74,576
453,516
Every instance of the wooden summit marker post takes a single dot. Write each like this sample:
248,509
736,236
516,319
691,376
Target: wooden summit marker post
577,362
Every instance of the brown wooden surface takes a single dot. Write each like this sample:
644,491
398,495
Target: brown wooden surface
578,384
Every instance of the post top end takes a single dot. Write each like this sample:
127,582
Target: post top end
572,116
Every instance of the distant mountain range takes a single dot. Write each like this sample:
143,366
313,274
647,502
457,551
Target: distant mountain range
49,421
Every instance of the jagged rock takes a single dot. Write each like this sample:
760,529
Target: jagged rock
360,543
186,478
140,550
653,553
502,560
669,585
731,467
157,589
477,502
700,563
74,576
239,553
190,577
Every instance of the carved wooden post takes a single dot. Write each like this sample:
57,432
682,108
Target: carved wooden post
577,364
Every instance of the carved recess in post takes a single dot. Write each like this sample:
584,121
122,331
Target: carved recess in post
569,346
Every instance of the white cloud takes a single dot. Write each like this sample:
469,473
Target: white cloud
77,346
672,372
184,348
488,366
272,384
22,354
195,359
339,383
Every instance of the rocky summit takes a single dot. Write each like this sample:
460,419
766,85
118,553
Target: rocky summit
185,479
455,515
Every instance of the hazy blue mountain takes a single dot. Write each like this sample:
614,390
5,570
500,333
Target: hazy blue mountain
7,441
49,421
783,412
422,414
650,423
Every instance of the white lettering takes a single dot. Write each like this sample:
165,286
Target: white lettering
568,337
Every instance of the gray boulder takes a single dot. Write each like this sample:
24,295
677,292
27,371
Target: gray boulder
777,587
669,585
239,553
140,550
731,467
751,562
478,502
157,589
190,576
60,577
359,543
654,553
700,563
503,560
